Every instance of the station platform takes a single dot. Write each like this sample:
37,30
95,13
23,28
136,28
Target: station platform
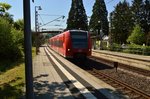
138,61
47,82
127,55
53,81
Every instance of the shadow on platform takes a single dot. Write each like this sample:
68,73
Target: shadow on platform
55,90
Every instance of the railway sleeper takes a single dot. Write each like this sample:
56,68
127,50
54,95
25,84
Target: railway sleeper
127,91
115,84
93,73
111,82
120,88
137,97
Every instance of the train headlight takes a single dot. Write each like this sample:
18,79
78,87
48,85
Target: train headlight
68,49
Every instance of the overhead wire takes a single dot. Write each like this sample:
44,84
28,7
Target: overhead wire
62,15
41,18
109,2
50,15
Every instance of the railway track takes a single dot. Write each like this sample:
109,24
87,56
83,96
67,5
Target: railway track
131,91
122,87
96,69
122,65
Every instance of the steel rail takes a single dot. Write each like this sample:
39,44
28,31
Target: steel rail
121,85
122,66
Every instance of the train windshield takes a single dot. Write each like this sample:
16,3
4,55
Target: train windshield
79,39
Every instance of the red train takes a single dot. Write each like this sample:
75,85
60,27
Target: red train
72,44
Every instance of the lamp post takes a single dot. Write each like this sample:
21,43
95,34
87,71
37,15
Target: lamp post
37,28
100,33
99,27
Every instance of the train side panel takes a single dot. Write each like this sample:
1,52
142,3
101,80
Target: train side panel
67,45
89,45
62,44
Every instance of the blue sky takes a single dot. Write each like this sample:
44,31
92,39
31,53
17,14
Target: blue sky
52,9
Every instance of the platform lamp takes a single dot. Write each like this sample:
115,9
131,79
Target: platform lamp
98,30
98,27
37,27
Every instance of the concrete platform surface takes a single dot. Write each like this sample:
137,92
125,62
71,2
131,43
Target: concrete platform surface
53,81
47,82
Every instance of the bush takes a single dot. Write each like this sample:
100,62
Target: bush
9,48
137,49
131,48
18,37
115,47
146,50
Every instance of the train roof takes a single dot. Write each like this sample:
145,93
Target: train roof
77,30
73,30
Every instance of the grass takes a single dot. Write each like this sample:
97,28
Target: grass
12,79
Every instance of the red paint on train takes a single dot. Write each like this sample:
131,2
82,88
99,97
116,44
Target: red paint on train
72,43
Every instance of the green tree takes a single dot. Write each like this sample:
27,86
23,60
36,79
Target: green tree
18,37
136,10
77,18
9,49
121,22
145,19
18,32
19,24
137,36
99,19
4,7
141,15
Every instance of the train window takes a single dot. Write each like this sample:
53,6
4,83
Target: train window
60,43
79,39
63,37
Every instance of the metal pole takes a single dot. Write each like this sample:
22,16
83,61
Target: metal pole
28,52
36,37
100,33
37,29
110,32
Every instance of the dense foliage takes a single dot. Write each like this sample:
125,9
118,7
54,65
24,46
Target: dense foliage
121,22
137,36
77,18
99,19
4,7
9,41
11,35
141,15
19,24
145,20
125,17
136,10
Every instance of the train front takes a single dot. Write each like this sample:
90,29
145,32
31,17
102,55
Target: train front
81,43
